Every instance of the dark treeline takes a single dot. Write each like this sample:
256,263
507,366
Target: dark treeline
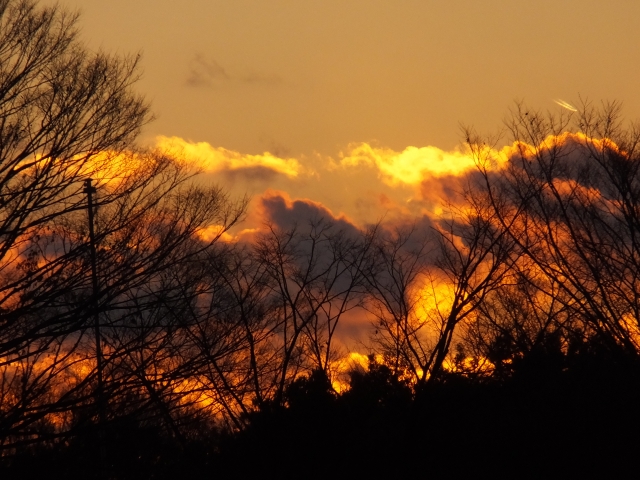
504,333
546,421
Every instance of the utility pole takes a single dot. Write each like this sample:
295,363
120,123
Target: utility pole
100,400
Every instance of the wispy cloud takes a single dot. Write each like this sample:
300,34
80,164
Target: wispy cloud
206,72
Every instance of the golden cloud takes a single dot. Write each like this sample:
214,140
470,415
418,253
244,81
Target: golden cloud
214,159
363,184
411,165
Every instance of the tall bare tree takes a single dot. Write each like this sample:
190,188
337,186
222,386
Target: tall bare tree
68,115
569,195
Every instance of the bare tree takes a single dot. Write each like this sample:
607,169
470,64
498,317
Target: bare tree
315,276
569,198
68,115
60,107
424,284
271,310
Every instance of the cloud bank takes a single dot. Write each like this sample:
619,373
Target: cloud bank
363,184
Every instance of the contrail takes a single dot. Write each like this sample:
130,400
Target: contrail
566,105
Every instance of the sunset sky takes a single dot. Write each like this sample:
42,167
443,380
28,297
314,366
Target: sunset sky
355,106
396,235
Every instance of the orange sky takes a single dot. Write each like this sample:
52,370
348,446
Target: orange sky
356,104
351,108
364,96
295,77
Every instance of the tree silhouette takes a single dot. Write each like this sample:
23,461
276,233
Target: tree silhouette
68,115
570,202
